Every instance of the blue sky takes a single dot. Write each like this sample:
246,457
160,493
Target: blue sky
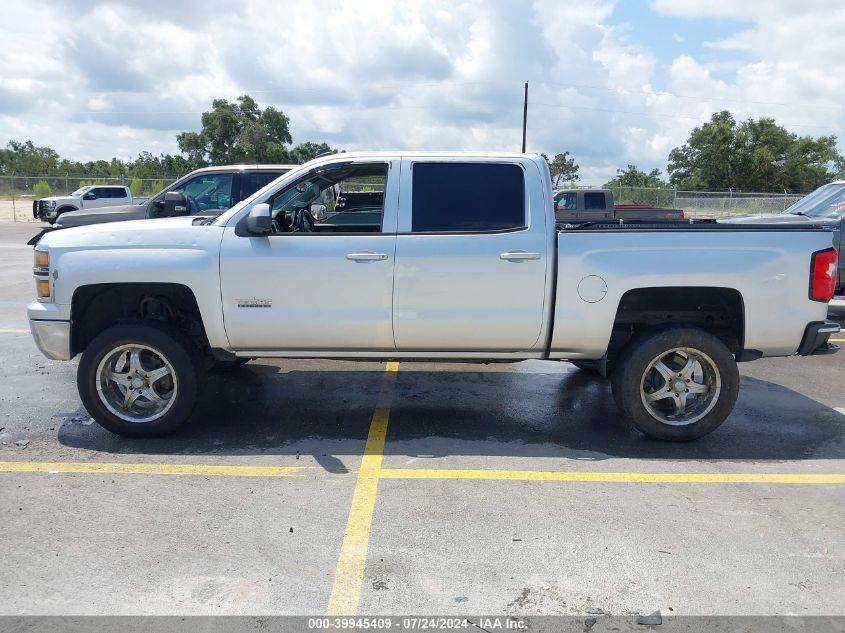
613,81
667,37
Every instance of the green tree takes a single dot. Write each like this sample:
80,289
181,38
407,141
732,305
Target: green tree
755,155
136,186
563,169
304,152
633,177
634,186
25,158
238,132
42,189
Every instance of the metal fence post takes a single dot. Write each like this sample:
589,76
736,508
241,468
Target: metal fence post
12,195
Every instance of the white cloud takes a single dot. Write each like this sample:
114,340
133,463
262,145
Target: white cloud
96,79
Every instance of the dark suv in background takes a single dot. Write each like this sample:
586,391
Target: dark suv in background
206,191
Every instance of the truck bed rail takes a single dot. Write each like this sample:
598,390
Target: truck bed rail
682,225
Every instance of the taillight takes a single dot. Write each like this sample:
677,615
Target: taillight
823,273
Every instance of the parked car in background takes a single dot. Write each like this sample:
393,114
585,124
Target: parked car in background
432,269
208,191
90,198
824,207
588,205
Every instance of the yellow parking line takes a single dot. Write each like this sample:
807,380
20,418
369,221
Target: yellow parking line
836,340
148,469
620,477
13,331
349,574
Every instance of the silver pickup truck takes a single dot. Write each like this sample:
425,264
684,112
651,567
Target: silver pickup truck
423,264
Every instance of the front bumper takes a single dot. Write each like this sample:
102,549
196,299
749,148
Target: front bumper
40,211
816,337
52,338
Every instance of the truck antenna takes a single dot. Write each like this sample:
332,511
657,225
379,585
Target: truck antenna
524,116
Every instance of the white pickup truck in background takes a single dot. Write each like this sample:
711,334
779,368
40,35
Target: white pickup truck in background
88,197
420,264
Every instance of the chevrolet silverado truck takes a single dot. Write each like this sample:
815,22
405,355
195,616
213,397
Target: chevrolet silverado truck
426,267
90,197
824,207
207,191
589,205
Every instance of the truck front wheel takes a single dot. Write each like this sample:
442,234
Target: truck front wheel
52,221
676,383
140,379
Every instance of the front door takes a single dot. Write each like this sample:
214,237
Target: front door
323,285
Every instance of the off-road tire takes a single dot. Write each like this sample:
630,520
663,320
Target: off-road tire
636,359
183,356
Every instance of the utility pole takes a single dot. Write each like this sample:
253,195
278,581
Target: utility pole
524,116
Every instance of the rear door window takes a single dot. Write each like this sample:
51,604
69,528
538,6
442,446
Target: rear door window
467,197
252,182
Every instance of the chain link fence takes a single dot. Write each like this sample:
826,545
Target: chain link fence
706,204
18,192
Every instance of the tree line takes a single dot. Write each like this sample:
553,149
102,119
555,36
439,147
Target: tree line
232,132
721,154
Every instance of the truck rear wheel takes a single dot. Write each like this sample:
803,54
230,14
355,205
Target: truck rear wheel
140,379
676,383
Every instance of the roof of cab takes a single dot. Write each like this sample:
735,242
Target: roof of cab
245,168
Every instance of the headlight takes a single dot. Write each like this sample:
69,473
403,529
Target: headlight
41,270
50,203
42,262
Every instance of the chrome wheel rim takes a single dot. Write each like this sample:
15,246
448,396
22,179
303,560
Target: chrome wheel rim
136,383
680,386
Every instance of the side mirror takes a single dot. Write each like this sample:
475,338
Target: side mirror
90,195
318,212
259,222
174,204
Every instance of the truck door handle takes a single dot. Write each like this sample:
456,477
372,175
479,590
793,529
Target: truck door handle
366,257
518,256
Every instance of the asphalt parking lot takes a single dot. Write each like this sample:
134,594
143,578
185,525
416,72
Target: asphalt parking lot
305,487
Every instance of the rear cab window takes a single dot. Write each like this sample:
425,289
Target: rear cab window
455,197
594,201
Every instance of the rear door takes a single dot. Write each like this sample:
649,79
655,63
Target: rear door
471,257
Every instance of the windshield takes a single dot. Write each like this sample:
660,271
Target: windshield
78,193
825,202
